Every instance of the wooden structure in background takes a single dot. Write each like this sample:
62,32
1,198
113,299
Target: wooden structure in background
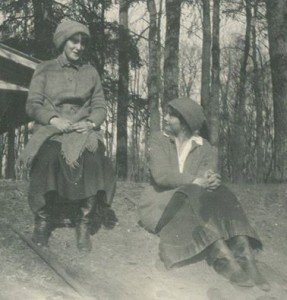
16,70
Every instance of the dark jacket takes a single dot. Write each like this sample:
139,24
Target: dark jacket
165,175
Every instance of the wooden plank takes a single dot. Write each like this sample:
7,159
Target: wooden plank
15,73
18,57
8,86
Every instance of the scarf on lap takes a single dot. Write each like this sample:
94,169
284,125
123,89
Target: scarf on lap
73,145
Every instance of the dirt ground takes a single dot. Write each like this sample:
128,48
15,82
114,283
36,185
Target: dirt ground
124,264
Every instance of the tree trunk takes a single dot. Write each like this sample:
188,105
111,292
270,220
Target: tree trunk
1,154
238,145
215,79
171,69
153,80
123,92
277,31
159,52
206,57
133,148
10,168
26,139
26,134
103,43
258,102
43,28
225,130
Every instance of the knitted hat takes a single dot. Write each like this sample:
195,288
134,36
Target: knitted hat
191,112
66,29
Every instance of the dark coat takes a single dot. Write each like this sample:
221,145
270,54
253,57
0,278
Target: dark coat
165,175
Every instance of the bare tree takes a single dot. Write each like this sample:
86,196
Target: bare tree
277,29
238,145
43,27
189,69
206,57
258,101
154,73
173,13
10,167
123,92
215,76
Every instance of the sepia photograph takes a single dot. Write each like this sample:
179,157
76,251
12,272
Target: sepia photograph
143,146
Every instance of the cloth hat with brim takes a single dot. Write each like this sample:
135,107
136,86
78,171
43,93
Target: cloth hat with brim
191,112
67,29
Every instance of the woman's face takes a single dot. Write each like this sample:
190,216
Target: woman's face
74,47
172,123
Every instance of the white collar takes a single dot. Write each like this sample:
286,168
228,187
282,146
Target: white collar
196,138
184,149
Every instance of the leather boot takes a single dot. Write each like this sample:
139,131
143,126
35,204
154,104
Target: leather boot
243,254
224,263
104,213
42,227
84,243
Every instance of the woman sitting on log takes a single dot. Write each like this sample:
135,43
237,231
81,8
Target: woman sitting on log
70,176
186,205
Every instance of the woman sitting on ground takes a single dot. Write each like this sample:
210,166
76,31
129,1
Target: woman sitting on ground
190,210
70,178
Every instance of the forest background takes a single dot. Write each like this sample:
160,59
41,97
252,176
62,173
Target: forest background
229,55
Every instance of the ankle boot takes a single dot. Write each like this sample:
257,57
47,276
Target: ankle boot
84,243
42,228
223,262
83,225
243,254
103,214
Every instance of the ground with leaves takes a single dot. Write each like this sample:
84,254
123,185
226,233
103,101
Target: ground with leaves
123,264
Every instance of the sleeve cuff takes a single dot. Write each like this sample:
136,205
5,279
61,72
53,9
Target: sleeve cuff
52,118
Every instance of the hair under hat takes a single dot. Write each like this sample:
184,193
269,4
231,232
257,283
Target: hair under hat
191,112
66,29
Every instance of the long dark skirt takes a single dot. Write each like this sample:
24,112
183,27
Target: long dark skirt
196,218
50,175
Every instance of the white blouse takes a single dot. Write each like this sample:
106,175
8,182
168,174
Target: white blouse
183,149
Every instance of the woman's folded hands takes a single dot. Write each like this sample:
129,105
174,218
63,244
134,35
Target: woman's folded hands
82,126
65,125
210,181
61,123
